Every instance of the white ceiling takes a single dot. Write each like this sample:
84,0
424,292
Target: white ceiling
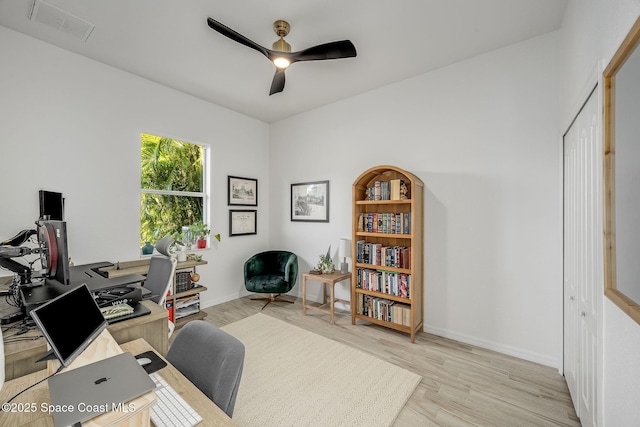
169,42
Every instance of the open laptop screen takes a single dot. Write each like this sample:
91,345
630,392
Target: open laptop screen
70,322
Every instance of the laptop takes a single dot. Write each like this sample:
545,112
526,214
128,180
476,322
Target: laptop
69,322
99,387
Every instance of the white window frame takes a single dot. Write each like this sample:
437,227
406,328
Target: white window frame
206,179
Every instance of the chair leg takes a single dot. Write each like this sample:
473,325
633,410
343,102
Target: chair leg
272,298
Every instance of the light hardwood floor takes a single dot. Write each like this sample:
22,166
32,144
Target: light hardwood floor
461,385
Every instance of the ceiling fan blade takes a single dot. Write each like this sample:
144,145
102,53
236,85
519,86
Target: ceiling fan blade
235,36
277,85
333,50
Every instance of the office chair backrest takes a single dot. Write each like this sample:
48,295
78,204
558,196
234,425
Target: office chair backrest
160,277
211,359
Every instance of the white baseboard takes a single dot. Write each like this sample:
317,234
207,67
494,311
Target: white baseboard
206,303
467,339
490,345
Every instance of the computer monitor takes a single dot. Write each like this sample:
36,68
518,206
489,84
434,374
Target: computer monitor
52,236
70,322
51,205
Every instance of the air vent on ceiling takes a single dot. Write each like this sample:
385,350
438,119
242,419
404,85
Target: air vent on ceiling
62,21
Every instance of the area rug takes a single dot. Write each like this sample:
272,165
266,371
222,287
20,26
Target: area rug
293,377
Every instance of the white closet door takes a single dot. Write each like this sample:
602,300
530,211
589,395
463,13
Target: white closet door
582,258
571,261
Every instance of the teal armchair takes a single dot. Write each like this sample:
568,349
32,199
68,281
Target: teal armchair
271,272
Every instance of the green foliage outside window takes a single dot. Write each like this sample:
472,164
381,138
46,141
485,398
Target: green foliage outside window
172,183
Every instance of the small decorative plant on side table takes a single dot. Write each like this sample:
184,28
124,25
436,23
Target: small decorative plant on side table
325,265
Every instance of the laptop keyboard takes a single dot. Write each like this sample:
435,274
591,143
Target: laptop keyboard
171,409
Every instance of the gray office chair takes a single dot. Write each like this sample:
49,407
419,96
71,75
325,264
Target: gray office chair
211,359
160,277
159,281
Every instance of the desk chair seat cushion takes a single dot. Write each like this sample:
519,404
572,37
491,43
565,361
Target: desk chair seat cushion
271,272
211,359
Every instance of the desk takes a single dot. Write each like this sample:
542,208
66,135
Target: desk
31,406
211,414
20,357
326,279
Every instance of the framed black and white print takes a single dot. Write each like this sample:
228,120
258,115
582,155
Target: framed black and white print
242,191
310,201
242,222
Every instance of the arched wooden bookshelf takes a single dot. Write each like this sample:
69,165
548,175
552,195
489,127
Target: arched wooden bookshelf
387,249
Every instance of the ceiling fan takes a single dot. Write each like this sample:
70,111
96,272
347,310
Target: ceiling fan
281,54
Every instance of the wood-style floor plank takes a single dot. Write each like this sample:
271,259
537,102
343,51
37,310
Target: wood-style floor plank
462,385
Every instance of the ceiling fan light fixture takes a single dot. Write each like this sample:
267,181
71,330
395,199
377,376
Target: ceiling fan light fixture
281,62
281,55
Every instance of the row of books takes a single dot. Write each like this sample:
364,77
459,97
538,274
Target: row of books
397,284
384,309
384,256
395,189
385,222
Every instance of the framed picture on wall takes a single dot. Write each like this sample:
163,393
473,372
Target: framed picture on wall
310,201
242,191
242,222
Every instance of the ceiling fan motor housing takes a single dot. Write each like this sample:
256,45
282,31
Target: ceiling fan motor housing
281,28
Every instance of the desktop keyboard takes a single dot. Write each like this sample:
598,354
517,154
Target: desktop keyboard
171,409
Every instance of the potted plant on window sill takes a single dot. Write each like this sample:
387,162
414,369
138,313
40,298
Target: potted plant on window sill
200,231
180,246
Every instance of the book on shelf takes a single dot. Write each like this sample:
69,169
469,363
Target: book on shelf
385,222
361,223
406,223
395,189
396,186
385,256
384,309
387,282
404,285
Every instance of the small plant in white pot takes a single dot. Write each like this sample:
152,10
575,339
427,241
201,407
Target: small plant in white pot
180,246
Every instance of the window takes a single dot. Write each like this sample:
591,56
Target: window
173,186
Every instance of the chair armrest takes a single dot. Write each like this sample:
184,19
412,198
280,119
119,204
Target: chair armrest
291,269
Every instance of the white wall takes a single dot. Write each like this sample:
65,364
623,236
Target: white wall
591,32
482,135
73,125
